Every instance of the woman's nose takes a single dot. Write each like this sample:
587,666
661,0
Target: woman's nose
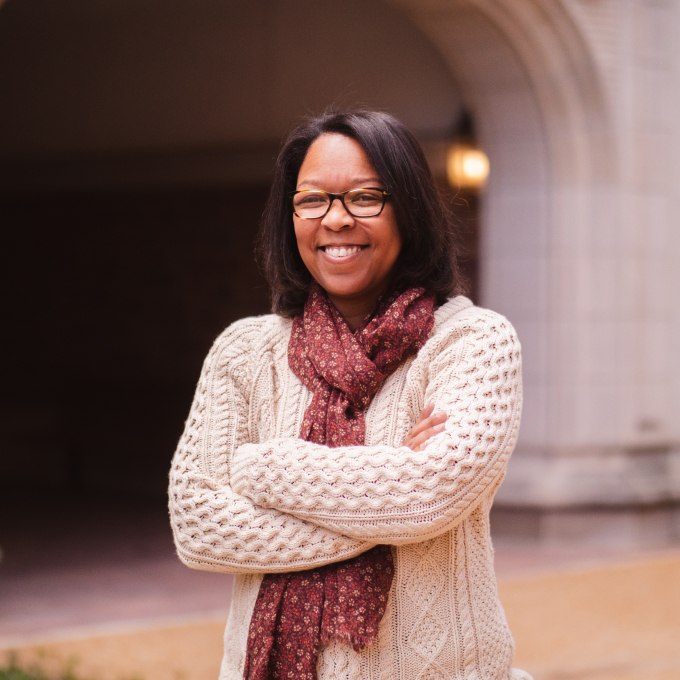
337,217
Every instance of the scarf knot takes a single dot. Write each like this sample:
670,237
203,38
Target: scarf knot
344,370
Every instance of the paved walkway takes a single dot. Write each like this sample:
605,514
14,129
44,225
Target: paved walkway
81,562
612,622
98,582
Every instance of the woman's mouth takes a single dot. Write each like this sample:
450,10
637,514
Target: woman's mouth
342,251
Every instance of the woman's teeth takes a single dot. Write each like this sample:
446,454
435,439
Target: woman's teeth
342,252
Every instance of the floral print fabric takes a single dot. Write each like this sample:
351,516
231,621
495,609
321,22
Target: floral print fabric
296,613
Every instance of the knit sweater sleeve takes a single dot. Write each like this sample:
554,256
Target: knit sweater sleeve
215,528
393,494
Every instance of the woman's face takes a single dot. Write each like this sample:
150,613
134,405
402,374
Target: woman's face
351,258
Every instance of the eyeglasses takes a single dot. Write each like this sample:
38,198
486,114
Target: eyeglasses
312,205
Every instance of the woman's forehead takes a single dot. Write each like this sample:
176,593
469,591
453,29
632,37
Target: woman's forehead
337,159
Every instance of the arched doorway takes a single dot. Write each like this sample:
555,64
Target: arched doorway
552,213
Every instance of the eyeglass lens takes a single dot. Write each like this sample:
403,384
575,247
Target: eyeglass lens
359,202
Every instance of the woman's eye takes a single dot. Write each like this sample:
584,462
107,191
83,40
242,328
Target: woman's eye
366,198
311,199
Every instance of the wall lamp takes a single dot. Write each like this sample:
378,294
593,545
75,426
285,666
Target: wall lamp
466,166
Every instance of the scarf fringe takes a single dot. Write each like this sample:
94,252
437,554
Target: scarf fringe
357,641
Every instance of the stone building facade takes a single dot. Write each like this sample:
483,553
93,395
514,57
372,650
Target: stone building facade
578,109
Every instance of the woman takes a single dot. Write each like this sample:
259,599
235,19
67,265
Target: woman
341,455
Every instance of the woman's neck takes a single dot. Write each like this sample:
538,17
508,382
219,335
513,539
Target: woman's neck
353,311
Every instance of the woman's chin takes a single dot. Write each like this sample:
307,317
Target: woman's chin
362,294
342,285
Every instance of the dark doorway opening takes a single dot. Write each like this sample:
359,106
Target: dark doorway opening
114,298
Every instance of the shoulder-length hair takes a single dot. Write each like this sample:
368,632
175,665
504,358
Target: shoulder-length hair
429,252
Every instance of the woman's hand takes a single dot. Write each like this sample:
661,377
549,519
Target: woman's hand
428,425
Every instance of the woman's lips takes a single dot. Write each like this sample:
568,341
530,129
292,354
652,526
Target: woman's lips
338,252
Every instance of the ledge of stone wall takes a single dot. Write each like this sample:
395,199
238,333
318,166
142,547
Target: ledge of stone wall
630,528
572,478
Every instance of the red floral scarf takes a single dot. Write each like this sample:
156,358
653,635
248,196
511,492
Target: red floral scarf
296,613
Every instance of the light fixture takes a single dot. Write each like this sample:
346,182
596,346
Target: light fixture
466,166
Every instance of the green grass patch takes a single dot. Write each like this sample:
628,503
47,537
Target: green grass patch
13,671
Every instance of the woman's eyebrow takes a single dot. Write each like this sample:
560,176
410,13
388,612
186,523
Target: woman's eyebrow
357,183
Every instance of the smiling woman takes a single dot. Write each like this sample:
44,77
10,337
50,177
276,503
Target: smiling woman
357,150
342,454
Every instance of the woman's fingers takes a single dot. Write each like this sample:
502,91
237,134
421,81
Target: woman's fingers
419,441
427,426
426,412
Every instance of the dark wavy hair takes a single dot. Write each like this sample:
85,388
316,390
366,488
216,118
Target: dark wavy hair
429,252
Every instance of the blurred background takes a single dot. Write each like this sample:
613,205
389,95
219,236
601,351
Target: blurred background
137,140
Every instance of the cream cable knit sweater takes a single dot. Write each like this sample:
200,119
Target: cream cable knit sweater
248,497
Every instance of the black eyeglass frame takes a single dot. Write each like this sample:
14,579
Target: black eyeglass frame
341,197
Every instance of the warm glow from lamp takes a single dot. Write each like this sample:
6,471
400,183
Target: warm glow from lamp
466,167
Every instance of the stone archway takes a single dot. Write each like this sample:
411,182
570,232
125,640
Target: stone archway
534,74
